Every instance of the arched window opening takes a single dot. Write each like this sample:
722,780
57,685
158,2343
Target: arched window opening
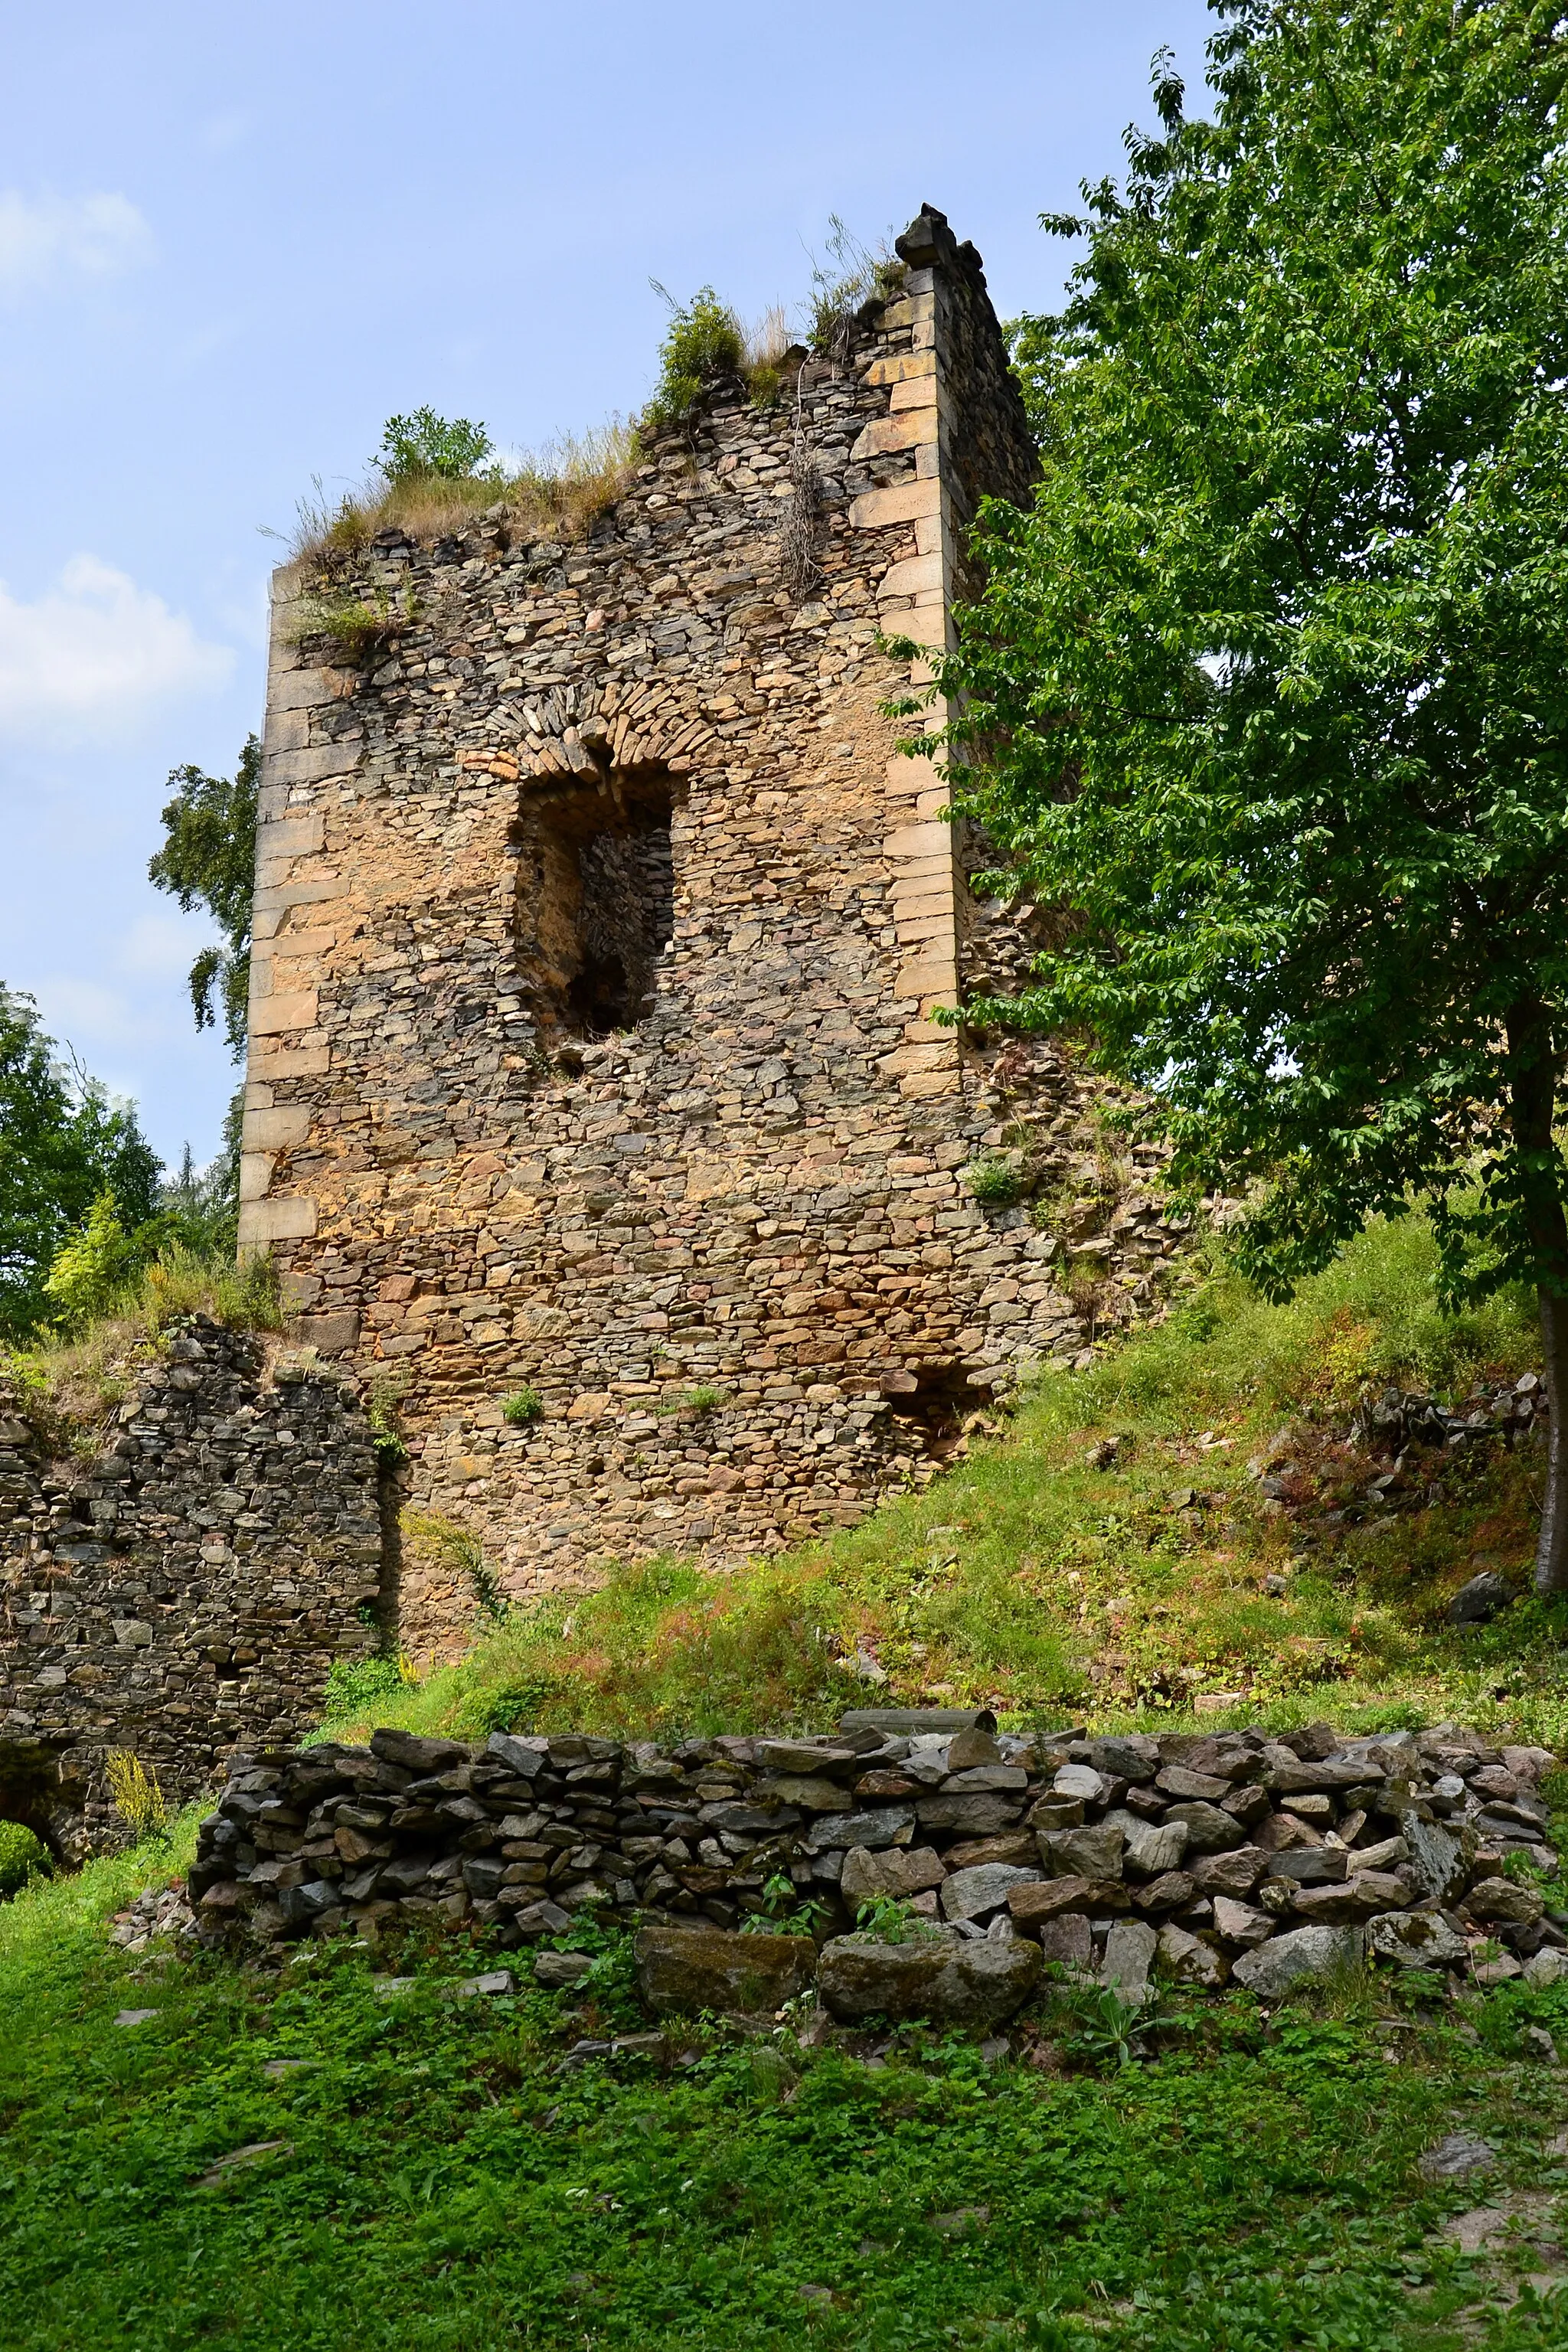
596,899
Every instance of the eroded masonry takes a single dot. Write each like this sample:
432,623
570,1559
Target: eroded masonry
601,928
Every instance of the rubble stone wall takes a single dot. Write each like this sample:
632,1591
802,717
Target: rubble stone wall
1233,1855
185,1590
502,1136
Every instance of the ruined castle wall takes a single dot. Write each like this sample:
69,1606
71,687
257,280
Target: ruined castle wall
186,1589
503,1133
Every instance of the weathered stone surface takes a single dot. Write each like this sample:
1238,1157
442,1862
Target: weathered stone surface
600,923
558,1970
1208,1830
1236,1873
1500,1902
896,1871
1129,1951
1361,1896
1047,1897
1066,1939
888,1825
1190,1960
690,1969
1417,1939
1088,1853
935,1975
1304,1956
184,1592
976,1894
1239,1924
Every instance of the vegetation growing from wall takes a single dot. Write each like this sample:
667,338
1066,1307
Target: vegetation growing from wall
208,861
1114,1554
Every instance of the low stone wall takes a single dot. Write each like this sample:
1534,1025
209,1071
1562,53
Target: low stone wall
187,1587
1237,1856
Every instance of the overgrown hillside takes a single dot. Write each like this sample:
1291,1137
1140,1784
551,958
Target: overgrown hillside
1186,1527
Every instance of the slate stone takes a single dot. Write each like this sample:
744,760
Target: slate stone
1500,1902
1236,1873
1068,1939
979,1814
558,1970
887,1825
1049,1898
1456,2156
1360,1897
1172,1891
935,1975
1304,1956
1208,1830
412,1754
1416,1939
1311,1866
518,1758
1190,1960
1129,1951
1239,1924
692,1968
896,1871
1080,1781
976,1894
1480,1601
1088,1853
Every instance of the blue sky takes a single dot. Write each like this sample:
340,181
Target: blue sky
233,241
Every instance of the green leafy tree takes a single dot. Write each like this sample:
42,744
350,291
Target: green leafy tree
1271,683
414,449
63,1145
208,860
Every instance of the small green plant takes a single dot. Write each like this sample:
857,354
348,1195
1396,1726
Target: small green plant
136,1795
417,447
1108,2030
386,1394
995,1180
93,1266
24,1858
522,1406
354,1684
461,1552
782,1914
354,626
852,275
702,342
517,1705
889,1919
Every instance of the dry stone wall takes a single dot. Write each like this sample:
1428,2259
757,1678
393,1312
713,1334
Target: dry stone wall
601,928
1233,1855
186,1588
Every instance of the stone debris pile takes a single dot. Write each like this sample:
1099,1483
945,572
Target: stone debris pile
1235,1855
157,1911
1387,1420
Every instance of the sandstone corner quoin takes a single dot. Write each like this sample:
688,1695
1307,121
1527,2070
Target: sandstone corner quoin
600,928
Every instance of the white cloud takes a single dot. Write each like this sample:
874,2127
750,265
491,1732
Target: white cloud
44,240
94,653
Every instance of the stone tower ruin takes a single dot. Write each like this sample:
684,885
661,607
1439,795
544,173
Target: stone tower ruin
601,925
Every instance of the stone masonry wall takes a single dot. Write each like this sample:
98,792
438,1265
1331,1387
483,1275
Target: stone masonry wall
186,1590
475,1179
1235,1854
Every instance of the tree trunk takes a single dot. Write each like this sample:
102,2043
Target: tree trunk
1532,1081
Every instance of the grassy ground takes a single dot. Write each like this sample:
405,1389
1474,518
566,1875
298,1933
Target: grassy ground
285,2155
422,2172
1031,1580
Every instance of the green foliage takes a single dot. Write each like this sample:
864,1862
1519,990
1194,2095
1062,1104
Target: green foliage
704,1399
887,1919
460,1551
995,1180
92,1266
425,2171
356,627
208,860
702,342
355,1683
783,1912
62,1144
523,1405
1269,683
381,1410
414,449
23,1858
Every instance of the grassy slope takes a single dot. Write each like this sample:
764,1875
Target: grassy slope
442,2184
1030,1580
